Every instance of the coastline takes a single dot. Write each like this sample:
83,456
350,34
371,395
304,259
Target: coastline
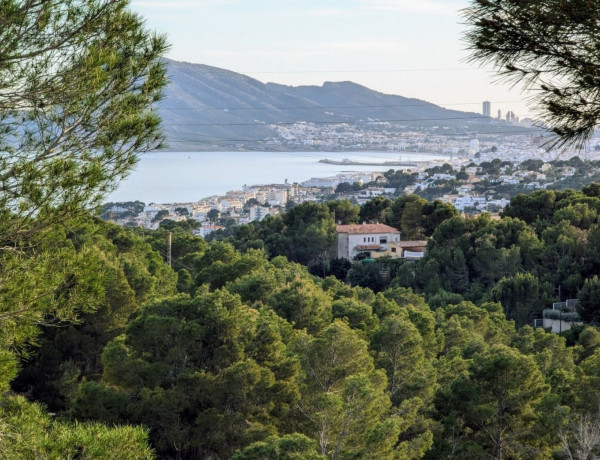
176,177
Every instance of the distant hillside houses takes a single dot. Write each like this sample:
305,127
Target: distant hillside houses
358,177
469,201
258,213
207,229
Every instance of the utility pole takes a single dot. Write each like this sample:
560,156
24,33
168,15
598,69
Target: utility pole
169,241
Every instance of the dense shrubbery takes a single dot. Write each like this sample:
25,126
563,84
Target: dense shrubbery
255,355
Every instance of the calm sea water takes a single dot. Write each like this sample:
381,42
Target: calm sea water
176,177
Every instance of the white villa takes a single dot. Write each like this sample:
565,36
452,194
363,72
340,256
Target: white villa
361,238
206,229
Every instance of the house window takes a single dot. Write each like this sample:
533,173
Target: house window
382,240
393,249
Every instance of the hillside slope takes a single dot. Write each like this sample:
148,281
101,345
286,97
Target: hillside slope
206,108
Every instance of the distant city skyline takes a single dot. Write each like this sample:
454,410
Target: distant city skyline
413,49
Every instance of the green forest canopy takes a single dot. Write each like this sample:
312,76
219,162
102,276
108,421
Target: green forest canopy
235,353
239,350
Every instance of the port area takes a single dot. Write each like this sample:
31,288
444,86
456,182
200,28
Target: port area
348,162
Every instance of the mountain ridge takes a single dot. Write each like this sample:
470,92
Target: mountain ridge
208,108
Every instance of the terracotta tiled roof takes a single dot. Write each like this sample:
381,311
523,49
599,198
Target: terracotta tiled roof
363,229
362,247
410,244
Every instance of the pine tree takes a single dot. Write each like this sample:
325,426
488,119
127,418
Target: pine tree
551,46
78,79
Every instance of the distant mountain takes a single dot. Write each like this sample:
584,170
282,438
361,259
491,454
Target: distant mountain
208,108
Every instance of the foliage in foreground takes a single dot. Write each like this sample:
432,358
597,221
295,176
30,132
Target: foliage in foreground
78,79
26,431
550,47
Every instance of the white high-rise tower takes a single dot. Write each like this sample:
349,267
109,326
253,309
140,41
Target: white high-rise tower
487,109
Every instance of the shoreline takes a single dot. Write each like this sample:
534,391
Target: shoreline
168,177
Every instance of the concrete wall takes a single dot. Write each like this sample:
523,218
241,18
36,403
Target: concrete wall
557,327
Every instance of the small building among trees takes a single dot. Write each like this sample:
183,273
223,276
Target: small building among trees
364,238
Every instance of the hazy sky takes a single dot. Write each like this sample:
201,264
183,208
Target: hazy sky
412,48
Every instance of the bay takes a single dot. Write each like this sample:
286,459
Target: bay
180,177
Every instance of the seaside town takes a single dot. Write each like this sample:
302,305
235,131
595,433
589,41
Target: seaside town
476,175
372,134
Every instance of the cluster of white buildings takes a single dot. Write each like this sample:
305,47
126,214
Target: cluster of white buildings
387,136
246,205
251,203
334,181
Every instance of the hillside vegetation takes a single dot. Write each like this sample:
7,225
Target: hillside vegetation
114,345
243,354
